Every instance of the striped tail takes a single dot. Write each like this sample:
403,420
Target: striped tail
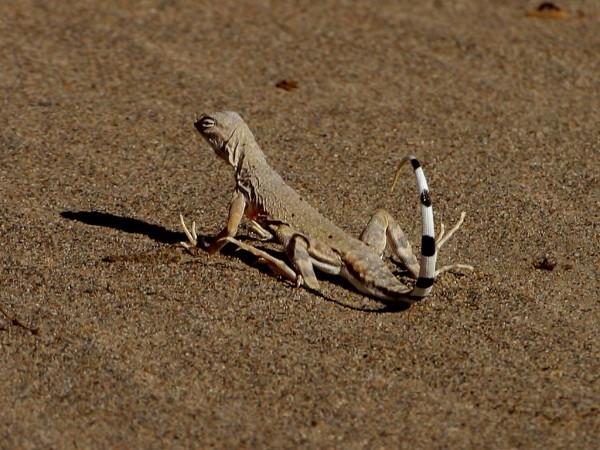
426,277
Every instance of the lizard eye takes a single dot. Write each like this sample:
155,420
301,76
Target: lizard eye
205,123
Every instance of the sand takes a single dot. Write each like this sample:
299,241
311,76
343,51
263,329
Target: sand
112,337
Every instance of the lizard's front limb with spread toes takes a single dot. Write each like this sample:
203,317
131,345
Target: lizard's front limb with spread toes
278,266
236,212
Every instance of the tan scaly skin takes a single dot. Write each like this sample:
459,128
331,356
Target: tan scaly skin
276,211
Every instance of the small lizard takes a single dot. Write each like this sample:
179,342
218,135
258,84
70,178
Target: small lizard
276,211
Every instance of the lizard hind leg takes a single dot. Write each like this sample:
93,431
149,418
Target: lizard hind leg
279,267
297,250
384,230
263,234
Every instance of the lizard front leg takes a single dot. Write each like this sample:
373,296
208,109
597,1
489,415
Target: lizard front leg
236,212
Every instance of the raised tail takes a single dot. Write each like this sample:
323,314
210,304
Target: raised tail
426,277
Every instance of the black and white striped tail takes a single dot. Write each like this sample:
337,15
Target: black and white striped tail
426,277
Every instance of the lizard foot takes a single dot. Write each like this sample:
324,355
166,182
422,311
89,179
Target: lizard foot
263,235
454,267
277,266
192,236
443,238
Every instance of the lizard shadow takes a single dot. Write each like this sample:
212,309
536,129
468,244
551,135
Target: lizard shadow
155,232
128,224
385,308
163,235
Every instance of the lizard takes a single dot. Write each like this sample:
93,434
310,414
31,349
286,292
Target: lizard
276,211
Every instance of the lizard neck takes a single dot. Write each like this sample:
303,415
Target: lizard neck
251,160
251,171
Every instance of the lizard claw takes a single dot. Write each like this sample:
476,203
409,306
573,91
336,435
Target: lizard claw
454,267
191,235
441,235
444,237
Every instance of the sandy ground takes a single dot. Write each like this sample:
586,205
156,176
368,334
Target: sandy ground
111,336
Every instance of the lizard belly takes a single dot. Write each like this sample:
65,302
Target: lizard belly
324,258
252,212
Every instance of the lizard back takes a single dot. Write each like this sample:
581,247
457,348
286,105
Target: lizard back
275,200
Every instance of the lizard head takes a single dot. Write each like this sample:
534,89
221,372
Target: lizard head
224,132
